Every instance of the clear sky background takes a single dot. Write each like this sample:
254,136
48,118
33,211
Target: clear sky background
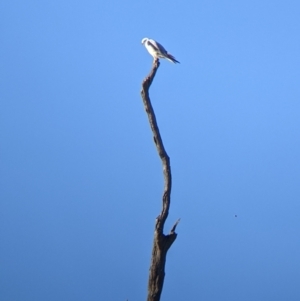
80,178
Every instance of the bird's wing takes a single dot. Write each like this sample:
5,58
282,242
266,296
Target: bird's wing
158,47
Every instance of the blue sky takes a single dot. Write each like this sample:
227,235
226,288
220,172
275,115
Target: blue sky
80,178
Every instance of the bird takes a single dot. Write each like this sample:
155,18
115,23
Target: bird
157,50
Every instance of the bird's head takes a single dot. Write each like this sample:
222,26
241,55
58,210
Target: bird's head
144,40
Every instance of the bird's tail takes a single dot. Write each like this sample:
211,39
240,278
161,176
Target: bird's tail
171,58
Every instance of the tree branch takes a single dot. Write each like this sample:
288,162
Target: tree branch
161,243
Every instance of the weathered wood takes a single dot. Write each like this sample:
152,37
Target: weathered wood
162,242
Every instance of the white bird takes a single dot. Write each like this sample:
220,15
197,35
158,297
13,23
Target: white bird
157,50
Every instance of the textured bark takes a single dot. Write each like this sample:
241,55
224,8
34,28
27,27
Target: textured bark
162,242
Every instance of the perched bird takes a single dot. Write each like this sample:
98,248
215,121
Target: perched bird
157,50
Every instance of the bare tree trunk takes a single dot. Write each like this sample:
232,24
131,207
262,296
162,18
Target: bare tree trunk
162,242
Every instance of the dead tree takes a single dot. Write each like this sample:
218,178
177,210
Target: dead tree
162,242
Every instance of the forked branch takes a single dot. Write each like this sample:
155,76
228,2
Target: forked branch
162,242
